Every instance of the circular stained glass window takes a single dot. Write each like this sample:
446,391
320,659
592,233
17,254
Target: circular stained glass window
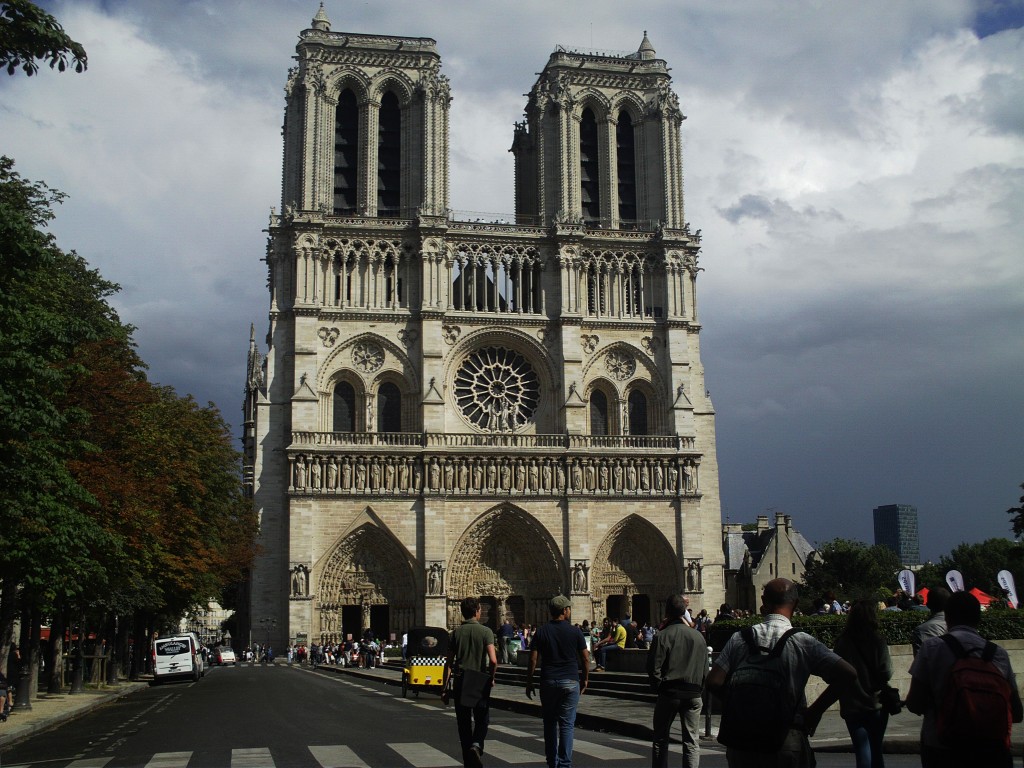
497,389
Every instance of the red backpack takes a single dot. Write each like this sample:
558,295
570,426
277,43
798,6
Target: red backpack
975,707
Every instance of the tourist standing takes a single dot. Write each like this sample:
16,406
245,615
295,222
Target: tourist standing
934,625
474,663
563,679
677,664
868,653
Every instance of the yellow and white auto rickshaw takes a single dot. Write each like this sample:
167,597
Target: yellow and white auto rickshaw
423,669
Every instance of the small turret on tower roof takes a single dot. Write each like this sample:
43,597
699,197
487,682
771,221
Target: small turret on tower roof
646,50
320,21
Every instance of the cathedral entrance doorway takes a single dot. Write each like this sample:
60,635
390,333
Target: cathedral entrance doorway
508,560
351,622
369,581
634,571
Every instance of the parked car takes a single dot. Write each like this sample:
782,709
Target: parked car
222,655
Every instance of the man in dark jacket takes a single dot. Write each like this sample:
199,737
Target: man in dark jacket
677,664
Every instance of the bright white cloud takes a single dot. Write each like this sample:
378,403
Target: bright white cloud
857,171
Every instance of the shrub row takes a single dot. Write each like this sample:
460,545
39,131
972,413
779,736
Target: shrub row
896,628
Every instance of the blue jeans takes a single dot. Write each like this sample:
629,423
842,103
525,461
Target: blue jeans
866,732
558,700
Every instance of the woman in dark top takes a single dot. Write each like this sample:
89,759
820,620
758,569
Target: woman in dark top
865,649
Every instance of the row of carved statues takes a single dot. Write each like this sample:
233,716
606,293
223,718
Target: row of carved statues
459,475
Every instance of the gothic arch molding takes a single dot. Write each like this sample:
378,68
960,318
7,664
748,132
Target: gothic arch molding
506,552
366,567
634,558
351,78
595,100
395,81
644,371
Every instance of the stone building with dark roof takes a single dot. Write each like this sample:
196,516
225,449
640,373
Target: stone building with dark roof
753,557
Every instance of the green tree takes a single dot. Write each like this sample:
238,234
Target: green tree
979,563
851,570
28,35
1017,514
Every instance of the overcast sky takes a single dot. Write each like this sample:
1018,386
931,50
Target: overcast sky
857,170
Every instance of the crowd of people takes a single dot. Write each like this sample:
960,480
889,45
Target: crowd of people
760,677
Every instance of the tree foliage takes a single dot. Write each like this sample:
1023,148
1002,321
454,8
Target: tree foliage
121,497
979,563
851,570
28,35
1017,516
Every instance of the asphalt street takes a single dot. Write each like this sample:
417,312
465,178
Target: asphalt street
280,717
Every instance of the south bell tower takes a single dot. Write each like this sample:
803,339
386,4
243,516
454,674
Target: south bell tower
508,409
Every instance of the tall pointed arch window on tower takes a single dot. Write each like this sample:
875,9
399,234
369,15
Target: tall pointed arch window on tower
637,407
590,174
346,153
598,413
625,155
389,408
344,407
389,157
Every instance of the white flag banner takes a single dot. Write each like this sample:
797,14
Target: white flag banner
955,580
1005,579
906,580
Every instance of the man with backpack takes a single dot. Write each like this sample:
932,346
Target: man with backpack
966,690
761,674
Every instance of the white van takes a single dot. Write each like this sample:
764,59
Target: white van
176,657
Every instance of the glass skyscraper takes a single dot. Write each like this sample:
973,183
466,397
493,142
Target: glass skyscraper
896,528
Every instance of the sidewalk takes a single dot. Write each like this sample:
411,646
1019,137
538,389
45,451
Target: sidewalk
49,710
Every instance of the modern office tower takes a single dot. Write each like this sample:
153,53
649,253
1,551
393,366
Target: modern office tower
896,528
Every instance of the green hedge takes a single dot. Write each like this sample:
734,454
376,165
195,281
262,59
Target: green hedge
896,628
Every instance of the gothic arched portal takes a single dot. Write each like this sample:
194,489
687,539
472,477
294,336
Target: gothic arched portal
634,571
366,582
506,558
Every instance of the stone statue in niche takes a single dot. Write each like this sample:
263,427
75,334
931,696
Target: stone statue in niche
688,481
435,579
300,581
332,474
315,474
579,577
673,477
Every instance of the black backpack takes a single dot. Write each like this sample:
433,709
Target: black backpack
759,709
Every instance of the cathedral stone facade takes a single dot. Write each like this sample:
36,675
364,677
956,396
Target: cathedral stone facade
507,407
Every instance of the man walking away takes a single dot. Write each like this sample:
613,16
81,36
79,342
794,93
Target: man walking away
773,731
471,658
677,664
966,690
563,679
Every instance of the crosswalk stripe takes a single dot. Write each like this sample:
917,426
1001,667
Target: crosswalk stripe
90,762
512,754
513,732
601,751
336,756
424,756
169,760
252,758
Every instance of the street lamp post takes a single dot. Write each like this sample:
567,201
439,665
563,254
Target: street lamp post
268,624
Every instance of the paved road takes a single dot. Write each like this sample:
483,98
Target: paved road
279,717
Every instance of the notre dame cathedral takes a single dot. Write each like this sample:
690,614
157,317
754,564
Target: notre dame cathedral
507,407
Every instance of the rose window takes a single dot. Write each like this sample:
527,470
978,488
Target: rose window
497,389
367,356
620,364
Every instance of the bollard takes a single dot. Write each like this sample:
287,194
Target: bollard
23,691
708,698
